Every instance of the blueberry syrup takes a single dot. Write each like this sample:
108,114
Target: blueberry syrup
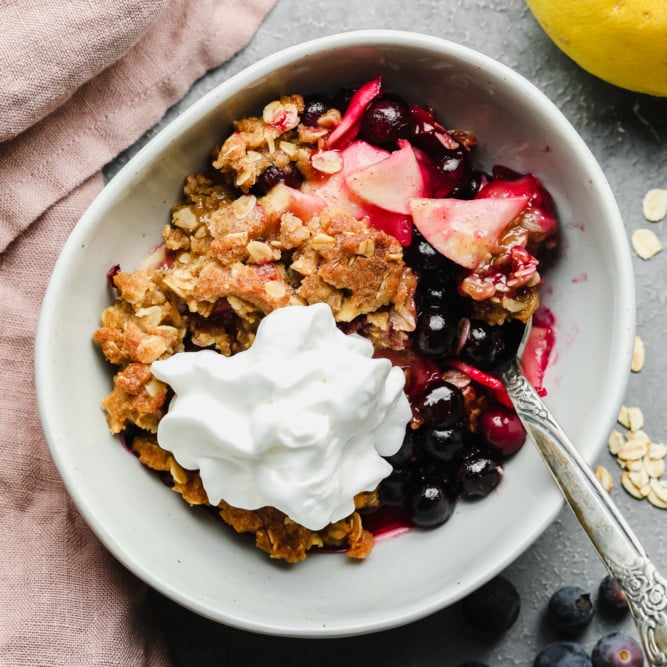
387,521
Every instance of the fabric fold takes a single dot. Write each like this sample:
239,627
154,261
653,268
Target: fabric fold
107,114
65,599
46,55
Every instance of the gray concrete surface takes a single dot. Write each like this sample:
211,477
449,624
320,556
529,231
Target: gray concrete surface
627,133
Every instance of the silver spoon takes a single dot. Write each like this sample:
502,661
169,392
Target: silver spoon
644,587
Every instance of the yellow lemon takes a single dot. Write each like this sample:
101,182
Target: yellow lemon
623,42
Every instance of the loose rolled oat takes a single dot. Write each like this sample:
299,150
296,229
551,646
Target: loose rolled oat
638,355
642,461
605,478
654,204
631,417
645,243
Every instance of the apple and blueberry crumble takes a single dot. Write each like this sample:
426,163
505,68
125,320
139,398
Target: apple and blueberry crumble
358,216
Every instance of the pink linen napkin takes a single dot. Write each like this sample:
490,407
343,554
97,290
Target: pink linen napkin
79,82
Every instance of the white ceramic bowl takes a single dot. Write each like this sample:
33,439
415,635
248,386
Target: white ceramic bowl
198,561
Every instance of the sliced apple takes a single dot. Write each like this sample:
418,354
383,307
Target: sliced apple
397,225
390,183
333,189
303,204
347,129
360,154
536,355
502,188
464,230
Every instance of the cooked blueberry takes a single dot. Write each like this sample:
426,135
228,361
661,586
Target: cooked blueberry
570,609
273,175
494,607
427,469
443,444
384,121
435,332
394,488
452,174
342,99
430,503
502,429
617,650
562,654
441,404
487,346
478,474
423,257
425,131
407,450
432,297
611,598
314,107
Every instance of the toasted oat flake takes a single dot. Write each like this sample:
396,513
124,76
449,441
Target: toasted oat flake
638,355
654,204
605,478
645,243
327,162
275,289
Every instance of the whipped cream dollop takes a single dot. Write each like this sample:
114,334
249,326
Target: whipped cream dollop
300,421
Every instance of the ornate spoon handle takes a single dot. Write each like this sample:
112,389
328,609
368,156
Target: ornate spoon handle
619,549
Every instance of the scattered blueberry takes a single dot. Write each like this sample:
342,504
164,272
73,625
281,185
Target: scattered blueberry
502,430
494,607
617,650
611,598
570,610
478,474
562,654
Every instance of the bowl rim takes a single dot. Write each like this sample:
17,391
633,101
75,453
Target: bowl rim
207,103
